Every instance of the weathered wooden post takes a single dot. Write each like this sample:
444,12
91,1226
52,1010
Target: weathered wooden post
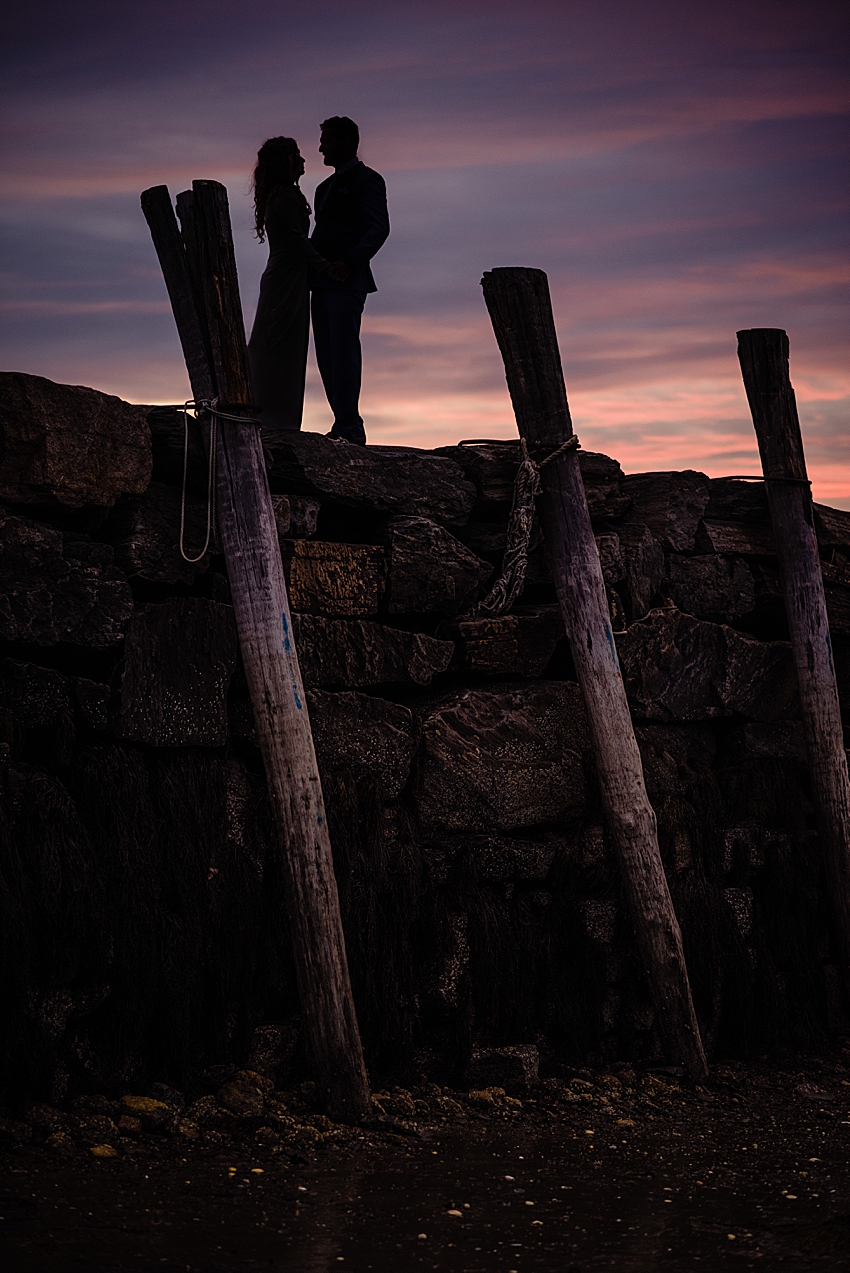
214,345
763,354
521,312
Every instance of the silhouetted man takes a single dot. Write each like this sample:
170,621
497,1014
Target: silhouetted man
351,225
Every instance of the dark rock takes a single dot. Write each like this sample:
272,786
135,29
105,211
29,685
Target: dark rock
14,1134
730,500
282,514
350,653
46,1119
644,564
510,1067
740,903
345,580
303,516
670,504
167,442
769,592
833,527
52,589
518,644
242,1098
743,539
69,444
273,1047
369,733
430,570
179,657
676,667
96,1129
394,480
499,759
611,558
600,919
33,696
718,588
497,858
153,1114
781,739
145,532
93,702
492,467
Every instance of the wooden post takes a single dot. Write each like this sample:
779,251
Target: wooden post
521,312
763,354
261,608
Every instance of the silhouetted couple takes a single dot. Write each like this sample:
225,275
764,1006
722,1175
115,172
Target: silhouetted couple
331,265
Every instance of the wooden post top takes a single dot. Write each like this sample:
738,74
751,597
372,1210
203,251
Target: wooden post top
763,354
519,304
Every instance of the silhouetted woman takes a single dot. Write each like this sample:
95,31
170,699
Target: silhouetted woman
278,346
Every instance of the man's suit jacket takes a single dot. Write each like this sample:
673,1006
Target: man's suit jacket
352,223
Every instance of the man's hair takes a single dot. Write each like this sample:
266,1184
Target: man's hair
345,129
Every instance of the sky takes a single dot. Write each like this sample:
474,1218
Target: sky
678,169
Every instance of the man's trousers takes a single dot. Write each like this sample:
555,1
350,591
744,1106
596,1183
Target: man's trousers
336,332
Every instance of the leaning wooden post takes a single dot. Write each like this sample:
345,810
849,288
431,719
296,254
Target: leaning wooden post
250,544
521,312
763,354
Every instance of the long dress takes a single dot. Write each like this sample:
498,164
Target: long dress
277,350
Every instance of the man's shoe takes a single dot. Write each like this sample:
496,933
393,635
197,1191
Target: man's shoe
340,437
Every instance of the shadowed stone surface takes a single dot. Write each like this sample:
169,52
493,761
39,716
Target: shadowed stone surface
676,667
497,759
349,653
746,539
70,444
670,504
179,657
345,580
518,644
55,588
394,480
145,533
644,558
492,467
369,733
509,1067
34,696
718,588
430,570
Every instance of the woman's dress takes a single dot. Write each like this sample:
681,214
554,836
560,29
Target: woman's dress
277,350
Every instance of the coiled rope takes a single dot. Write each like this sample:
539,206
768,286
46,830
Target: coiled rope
527,487
210,408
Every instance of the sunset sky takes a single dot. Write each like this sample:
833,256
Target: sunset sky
679,169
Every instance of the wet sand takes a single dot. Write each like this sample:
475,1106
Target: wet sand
751,1173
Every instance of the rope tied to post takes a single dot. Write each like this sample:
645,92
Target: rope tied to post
208,407
527,486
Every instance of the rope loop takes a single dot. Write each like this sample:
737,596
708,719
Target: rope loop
527,486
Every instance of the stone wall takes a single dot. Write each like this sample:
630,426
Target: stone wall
144,931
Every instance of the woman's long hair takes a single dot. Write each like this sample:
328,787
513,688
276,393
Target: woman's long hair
274,169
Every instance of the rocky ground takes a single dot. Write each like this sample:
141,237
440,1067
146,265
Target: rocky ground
596,1170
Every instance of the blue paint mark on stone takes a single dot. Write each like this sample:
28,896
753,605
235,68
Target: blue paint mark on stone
287,645
295,696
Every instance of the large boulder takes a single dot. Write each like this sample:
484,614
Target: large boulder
179,656
68,444
145,533
366,733
34,697
678,668
711,587
502,759
670,504
350,653
430,570
644,564
516,644
344,580
492,467
394,480
55,588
